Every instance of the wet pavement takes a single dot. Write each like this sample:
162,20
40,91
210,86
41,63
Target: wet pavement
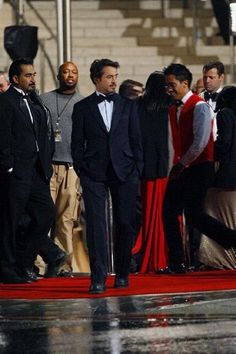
165,324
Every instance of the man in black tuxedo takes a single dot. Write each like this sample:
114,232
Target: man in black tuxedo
107,153
213,78
26,147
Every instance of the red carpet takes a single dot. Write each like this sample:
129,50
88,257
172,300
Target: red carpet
77,287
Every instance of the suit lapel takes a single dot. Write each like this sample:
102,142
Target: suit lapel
22,106
116,114
96,113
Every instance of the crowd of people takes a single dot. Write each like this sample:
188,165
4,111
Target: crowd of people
164,151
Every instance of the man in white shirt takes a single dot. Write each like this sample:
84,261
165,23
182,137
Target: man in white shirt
193,170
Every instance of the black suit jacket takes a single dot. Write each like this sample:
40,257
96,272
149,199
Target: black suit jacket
225,149
93,148
18,136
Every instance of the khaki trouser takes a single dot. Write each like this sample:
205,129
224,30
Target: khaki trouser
65,192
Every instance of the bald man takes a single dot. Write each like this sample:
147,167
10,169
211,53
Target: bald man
64,183
4,83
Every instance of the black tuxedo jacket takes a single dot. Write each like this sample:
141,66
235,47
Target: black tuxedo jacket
225,149
93,147
18,136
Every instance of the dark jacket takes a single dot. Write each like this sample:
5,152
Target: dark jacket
154,130
93,148
225,149
18,136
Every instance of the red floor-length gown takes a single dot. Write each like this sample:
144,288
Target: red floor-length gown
151,241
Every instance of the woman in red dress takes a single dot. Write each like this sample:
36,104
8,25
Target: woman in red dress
153,112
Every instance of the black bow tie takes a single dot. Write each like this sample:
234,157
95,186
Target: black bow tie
25,96
179,103
208,96
109,97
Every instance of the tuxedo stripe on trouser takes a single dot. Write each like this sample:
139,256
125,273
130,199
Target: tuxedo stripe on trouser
64,186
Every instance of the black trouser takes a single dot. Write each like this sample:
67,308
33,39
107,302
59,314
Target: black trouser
49,251
123,196
187,194
33,197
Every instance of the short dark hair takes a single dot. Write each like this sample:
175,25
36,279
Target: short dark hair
15,67
97,66
226,98
180,71
218,65
126,88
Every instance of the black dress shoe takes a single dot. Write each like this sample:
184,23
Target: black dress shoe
164,271
27,274
14,278
97,288
179,268
53,267
121,283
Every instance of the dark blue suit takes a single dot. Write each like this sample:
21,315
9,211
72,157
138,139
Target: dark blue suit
105,160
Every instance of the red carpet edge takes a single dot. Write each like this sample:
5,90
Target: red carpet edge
140,284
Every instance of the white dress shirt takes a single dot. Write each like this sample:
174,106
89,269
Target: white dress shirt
106,109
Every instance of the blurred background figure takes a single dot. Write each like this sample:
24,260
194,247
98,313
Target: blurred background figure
153,114
199,86
221,200
4,82
131,89
221,11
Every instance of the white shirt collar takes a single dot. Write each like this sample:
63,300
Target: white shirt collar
186,97
19,90
99,93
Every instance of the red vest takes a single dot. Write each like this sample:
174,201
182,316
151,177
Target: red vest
182,132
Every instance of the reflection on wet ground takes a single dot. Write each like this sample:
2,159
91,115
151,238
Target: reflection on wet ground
165,324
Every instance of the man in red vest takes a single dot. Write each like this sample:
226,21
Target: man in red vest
192,173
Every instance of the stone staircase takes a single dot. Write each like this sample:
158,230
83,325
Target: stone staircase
143,36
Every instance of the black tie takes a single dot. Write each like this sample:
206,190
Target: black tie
208,96
179,103
32,107
109,97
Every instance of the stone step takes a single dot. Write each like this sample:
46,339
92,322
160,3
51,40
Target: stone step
138,34
176,51
107,23
162,42
193,60
139,13
103,42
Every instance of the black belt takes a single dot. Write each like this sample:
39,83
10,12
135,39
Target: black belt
63,163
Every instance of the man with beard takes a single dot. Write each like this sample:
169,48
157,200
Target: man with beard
107,155
26,146
64,184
